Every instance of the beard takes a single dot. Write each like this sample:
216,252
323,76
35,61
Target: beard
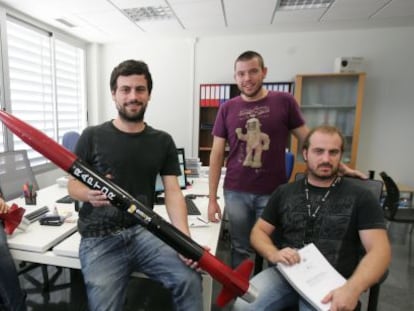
132,117
252,94
316,174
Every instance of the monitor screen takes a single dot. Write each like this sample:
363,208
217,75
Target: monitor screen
182,179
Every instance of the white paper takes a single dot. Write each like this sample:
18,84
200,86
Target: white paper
313,277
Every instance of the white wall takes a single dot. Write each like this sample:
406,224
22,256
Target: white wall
171,64
387,130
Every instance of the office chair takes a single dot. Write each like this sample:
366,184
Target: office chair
289,163
393,212
69,140
15,171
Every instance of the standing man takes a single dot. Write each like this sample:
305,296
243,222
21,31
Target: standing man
256,126
329,211
113,244
12,297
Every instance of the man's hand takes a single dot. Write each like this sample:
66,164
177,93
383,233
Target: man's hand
4,208
214,211
97,198
345,170
343,298
287,255
191,263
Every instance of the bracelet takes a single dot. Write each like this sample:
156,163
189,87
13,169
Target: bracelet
213,197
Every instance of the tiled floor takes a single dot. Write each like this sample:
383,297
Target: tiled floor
396,293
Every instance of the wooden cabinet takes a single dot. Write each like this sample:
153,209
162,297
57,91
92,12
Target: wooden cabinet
211,97
334,99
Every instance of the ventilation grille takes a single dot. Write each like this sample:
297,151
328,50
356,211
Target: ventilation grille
149,13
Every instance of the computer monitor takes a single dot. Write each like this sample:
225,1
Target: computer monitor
182,179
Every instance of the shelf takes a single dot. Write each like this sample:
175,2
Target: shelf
334,99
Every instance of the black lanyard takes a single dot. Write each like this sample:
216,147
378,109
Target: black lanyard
311,219
322,201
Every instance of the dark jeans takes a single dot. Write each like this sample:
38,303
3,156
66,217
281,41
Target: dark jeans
12,297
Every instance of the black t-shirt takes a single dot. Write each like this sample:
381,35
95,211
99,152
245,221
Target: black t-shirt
133,160
334,231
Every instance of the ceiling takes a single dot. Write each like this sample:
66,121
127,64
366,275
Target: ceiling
106,21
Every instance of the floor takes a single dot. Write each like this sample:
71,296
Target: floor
68,294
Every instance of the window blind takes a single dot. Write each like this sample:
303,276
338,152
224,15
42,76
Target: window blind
46,78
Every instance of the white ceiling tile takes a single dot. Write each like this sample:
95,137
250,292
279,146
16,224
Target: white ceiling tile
161,26
247,12
353,9
198,14
397,8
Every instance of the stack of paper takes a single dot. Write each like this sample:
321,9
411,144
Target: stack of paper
193,166
314,277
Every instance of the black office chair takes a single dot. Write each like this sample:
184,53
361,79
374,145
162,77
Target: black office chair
393,212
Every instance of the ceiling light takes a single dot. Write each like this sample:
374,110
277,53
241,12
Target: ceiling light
149,13
303,4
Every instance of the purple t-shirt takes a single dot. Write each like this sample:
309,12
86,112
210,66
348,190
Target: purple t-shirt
256,160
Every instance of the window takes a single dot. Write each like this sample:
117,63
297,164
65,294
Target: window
46,78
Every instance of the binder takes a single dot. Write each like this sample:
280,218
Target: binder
202,95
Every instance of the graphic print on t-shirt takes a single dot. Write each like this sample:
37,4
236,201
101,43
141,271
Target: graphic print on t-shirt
256,141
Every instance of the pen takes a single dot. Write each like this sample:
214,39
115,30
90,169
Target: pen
202,220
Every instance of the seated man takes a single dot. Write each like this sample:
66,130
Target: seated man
330,212
11,295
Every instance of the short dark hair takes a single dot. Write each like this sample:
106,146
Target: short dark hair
128,68
327,129
248,55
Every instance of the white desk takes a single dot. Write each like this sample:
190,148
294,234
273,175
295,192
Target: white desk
37,238
57,248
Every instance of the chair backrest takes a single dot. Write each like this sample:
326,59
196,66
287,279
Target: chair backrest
392,199
15,171
373,185
289,162
69,140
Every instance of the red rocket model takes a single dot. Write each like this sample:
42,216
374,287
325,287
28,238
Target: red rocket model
235,282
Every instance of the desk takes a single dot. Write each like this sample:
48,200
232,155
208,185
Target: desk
37,238
60,249
406,189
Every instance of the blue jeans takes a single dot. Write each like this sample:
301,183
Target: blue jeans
107,263
242,209
275,293
12,297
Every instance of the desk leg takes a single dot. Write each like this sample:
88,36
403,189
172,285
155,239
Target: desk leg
207,291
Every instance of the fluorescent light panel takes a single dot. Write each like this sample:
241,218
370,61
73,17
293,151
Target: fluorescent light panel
149,13
287,5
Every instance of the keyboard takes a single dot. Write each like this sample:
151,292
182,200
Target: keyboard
66,199
35,215
192,209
